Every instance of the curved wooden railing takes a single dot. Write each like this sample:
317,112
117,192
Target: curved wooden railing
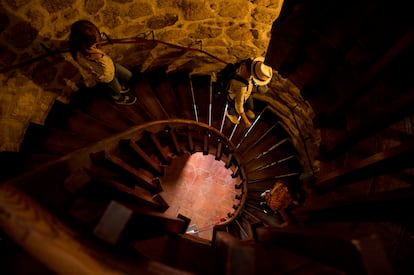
56,246
25,219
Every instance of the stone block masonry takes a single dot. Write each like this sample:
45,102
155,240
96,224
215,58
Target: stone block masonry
230,30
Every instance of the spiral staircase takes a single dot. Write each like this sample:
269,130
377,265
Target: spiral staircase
90,198
98,169
96,158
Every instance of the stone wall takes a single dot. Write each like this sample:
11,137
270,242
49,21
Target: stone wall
230,30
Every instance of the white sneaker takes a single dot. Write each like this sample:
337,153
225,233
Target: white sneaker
233,118
126,90
126,100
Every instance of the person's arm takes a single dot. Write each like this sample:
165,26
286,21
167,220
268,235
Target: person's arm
245,120
100,64
93,53
239,104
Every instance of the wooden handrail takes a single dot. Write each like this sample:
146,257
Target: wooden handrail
43,233
38,232
364,254
45,238
393,159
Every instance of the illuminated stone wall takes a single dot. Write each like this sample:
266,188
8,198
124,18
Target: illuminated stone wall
229,30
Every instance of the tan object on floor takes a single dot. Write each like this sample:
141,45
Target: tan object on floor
279,197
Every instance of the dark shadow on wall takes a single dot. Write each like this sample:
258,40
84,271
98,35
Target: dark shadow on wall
23,50
33,73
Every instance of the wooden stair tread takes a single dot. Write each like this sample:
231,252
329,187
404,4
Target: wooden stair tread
161,86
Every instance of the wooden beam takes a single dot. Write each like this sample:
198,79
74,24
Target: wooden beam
334,110
148,101
402,107
394,159
235,257
46,239
268,219
59,248
393,205
362,255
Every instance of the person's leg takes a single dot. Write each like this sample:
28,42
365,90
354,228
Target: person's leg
249,104
249,108
116,88
118,95
123,74
231,113
231,109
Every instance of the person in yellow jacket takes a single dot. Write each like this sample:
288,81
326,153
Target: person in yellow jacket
251,72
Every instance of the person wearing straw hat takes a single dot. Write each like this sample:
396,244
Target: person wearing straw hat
252,72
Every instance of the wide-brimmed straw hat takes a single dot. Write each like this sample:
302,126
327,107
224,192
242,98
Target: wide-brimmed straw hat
262,74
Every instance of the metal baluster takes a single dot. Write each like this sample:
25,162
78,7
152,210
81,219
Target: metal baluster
194,101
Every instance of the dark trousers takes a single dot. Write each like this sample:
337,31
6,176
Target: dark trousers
121,74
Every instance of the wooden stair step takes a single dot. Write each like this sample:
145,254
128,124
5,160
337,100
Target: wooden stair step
100,106
264,132
273,148
113,222
143,179
62,142
218,107
233,252
288,175
269,220
161,86
148,101
63,116
184,252
239,229
162,150
261,186
120,223
89,126
278,162
134,196
318,245
202,95
271,172
154,165
180,83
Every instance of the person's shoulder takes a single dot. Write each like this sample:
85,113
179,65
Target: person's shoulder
239,80
94,54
